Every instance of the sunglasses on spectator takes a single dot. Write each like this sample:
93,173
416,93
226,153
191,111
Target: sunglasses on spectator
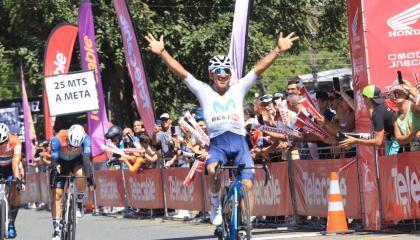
221,70
265,104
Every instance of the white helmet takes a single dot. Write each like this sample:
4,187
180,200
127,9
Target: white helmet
76,135
4,133
219,61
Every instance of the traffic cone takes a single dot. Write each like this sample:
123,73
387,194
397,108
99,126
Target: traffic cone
336,222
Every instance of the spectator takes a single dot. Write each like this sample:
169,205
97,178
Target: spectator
383,123
138,128
163,139
322,100
407,125
129,140
292,87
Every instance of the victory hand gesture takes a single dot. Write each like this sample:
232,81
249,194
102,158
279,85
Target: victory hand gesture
285,43
155,46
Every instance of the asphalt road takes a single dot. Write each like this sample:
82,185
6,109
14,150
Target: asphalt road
36,225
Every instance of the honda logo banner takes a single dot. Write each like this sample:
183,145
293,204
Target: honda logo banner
367,171
393,34
57,61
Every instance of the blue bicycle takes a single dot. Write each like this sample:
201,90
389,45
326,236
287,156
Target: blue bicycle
236,222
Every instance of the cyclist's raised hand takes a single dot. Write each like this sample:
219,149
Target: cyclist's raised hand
155,46
285,43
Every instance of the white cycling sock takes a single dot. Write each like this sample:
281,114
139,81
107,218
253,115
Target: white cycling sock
56,224
214,198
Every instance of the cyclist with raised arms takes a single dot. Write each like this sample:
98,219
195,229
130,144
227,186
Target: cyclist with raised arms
70,153
10,159
223,111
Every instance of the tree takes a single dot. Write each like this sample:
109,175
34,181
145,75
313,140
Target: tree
194,31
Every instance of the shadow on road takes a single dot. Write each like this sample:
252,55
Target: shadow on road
189,238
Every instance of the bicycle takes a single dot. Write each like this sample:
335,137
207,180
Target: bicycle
235,219
68,209
4,205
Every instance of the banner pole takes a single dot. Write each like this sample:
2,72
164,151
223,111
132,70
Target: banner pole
126,210
290,168
162,175
95,210
381,213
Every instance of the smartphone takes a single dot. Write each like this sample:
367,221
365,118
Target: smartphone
400,78
173,131
415,77
341,136
260,119
336,84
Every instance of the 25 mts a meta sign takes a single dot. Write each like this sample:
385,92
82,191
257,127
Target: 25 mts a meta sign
72,93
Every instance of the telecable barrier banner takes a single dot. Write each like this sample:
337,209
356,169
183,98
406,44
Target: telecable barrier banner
144,190
400,186
311,181
109,188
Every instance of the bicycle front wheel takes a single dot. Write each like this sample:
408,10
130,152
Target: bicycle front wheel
244,216
72,218
3,226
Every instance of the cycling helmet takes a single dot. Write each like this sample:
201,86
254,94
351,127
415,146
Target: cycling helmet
76,135
4,133
114,131
219,61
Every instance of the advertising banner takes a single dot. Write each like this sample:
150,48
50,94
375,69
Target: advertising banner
179,196
72,93
238,40
141,91
144,190
10,117
392,36
97,120
57,61
400,186
27,119
33,190
109,190
312,183
273,199
358,50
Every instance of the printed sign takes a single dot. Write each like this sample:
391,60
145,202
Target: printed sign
72,93
10,117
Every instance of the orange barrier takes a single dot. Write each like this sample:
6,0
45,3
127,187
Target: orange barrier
311,181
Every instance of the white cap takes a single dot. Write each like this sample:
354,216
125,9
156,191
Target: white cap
164,115
252,121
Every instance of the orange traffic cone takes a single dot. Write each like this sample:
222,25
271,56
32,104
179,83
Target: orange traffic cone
336,222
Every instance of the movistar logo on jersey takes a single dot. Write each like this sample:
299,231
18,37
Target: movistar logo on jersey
218,107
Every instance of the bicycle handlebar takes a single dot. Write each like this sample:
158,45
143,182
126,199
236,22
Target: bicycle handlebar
219,167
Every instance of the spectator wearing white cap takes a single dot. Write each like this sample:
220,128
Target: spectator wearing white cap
163,140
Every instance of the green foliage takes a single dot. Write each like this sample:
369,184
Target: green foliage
193,32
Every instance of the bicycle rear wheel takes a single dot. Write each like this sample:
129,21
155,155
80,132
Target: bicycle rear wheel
3,227
72,218
244,217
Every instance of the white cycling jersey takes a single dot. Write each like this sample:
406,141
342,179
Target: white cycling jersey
222,113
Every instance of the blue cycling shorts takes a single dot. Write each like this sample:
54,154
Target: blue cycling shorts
231,146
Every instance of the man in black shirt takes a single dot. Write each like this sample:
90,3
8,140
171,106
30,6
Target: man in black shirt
382,118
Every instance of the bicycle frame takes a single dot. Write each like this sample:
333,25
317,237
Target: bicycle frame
234,193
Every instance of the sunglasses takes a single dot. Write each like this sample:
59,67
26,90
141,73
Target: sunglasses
221,70
265,104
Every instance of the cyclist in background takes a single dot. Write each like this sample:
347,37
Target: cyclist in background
10,160
70,152
223,112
